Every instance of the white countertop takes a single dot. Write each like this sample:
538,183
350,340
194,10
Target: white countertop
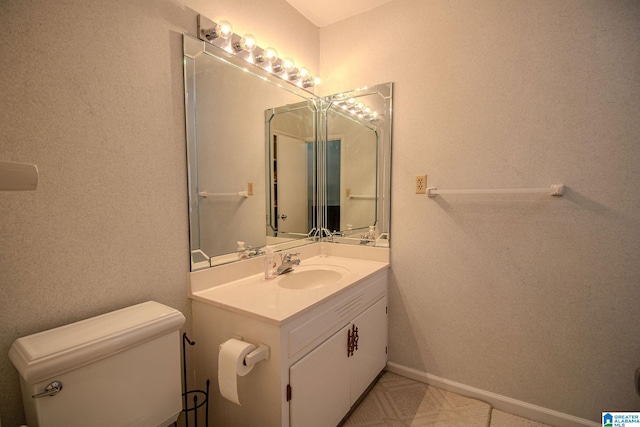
258,297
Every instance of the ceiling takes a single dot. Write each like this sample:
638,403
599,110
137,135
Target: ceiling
326,12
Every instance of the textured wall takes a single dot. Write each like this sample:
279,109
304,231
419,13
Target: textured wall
531,297
92,92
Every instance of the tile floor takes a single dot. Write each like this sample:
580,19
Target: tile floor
396,401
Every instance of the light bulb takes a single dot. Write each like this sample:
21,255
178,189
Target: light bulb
303,72
248,43
288,64
224,30
268,55
271,54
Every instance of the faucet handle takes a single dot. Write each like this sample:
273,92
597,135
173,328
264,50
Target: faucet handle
287,256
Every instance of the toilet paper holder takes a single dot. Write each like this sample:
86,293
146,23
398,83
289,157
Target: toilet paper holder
263,352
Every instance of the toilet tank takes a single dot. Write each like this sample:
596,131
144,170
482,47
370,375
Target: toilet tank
118,369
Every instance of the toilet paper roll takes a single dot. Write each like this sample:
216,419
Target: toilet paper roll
231,366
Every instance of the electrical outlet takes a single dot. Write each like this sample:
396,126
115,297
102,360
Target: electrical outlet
421,184
250,188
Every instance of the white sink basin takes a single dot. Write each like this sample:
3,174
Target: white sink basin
288,295
311,277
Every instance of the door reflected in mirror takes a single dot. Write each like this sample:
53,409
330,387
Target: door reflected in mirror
291,165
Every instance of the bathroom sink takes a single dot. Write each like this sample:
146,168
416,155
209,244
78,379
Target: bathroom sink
310,277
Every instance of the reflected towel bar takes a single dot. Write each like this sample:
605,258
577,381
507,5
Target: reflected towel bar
239,193
554,190
358,196
361,196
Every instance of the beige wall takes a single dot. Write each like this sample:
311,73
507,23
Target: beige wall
92,92
531,297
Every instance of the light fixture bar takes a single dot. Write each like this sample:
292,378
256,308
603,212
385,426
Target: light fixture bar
221,35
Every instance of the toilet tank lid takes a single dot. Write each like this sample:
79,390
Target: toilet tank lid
55,351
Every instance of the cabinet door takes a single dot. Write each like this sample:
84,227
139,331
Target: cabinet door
320,384
371,356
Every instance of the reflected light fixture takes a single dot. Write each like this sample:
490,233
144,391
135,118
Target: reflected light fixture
246,47
355,107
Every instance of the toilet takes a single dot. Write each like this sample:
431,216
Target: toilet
118,369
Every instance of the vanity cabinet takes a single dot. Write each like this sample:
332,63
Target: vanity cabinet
330,379
309,379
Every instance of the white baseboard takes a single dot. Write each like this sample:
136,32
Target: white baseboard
502,403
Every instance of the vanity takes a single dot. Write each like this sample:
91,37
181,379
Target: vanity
270,163
325,324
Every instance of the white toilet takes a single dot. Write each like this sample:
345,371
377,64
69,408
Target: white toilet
118,369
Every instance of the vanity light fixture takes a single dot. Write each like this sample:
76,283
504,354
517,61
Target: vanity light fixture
290,69
288,64
247,43
223,29
221,35
306,78
276,66
268,55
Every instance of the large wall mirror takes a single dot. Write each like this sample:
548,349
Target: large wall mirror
270,163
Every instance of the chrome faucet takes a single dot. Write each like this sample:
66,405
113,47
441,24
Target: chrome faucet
288,263
251,252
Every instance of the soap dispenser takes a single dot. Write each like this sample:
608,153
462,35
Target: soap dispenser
372,233
269,263
242,251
